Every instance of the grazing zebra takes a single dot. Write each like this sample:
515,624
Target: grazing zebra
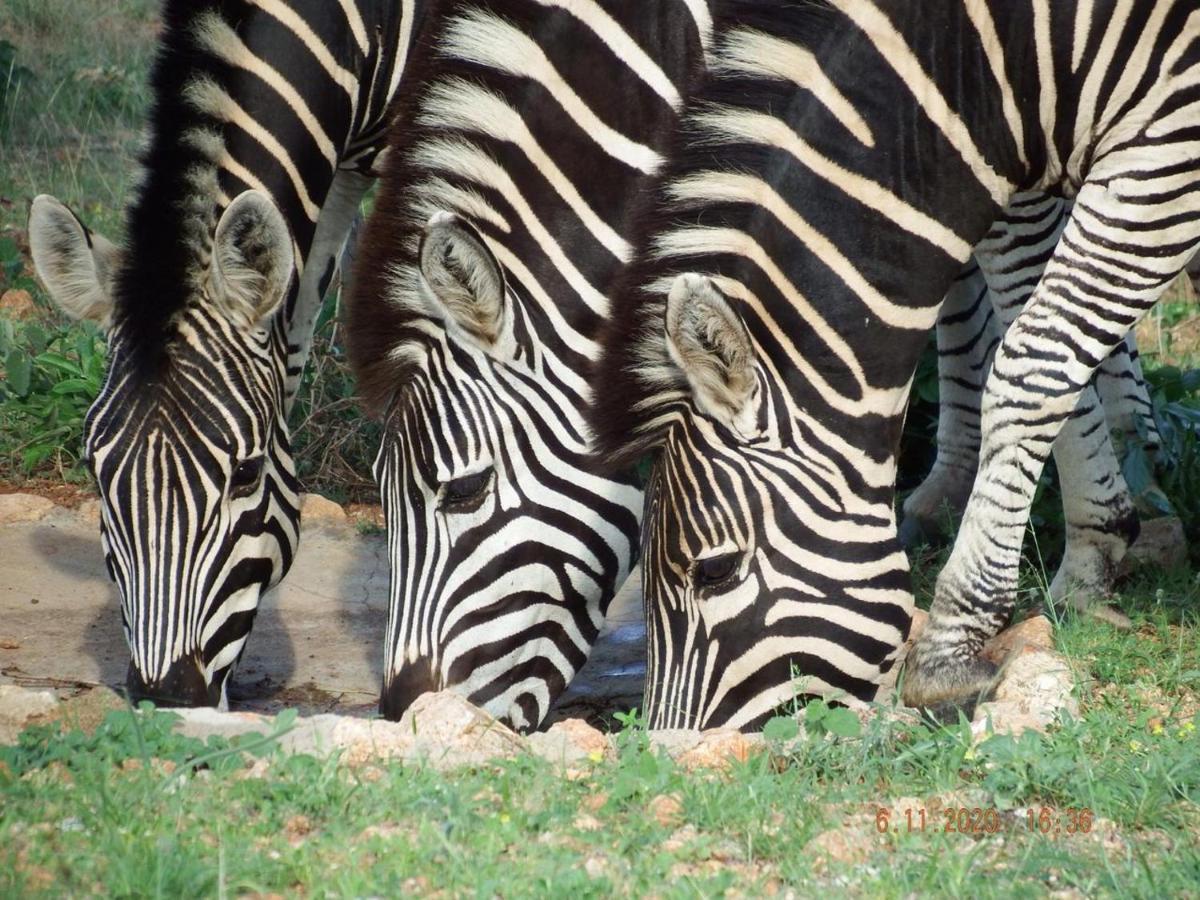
503,217
267,122
1093,488
842,161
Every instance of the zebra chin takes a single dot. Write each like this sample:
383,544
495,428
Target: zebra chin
403,686
184,684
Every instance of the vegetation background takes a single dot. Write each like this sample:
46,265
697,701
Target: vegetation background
124,807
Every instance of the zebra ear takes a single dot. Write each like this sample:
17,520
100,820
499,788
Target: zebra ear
252,260
464,277
76,265
709,343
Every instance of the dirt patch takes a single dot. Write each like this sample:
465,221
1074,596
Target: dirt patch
62,493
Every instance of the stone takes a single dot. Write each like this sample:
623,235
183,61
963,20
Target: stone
850,844
666,810
442,730
1036,686
88,710
1161,543
89,511
18,706
204,722
314,508
713,749
569,741
18,304
449,731
15,508
1031,635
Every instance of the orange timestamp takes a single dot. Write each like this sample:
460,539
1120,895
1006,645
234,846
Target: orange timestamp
976,820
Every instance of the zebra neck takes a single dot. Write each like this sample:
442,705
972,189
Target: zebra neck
260,95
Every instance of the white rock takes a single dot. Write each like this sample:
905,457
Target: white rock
18,705
316,509
1037,686
570,740
16,508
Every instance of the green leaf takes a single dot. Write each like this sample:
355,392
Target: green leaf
781,728
55,360
20,372
843,722
72,386
1136,469
647,766
35,337
36,454
815,712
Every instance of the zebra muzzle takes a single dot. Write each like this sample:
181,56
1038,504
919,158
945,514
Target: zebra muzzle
183,685
404,686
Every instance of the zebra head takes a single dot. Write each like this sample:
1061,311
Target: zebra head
510,545
187,442
751,598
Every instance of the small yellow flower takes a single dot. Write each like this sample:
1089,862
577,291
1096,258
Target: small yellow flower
1156,728
505,818
1135,746
1187,728
596,756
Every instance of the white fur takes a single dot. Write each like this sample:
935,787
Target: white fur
471,294
78,276
252,261
709,343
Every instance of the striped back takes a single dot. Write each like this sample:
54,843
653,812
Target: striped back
479,300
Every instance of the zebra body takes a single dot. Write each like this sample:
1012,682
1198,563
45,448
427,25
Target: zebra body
478,301
841,163
266,124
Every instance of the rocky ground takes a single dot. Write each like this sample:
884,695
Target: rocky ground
315,647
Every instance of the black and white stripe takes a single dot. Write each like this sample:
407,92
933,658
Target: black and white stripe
1098,510
843,160
267,120
479,296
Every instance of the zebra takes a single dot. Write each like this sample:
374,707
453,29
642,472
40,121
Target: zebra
266,128
967,335
841,162
476,306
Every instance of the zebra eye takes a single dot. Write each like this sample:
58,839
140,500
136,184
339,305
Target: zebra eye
715,570
245,477
466,493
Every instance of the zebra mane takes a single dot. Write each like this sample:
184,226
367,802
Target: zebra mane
644,391
172,215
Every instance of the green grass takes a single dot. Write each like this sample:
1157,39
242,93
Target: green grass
124,811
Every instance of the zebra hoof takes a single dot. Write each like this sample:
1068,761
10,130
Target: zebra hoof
948,685
1108,614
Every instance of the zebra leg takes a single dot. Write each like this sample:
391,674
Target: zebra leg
966,339
1098,510
1099,281
1097,507
1127,406
337,215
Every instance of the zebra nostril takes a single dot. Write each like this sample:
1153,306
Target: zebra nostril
404,686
